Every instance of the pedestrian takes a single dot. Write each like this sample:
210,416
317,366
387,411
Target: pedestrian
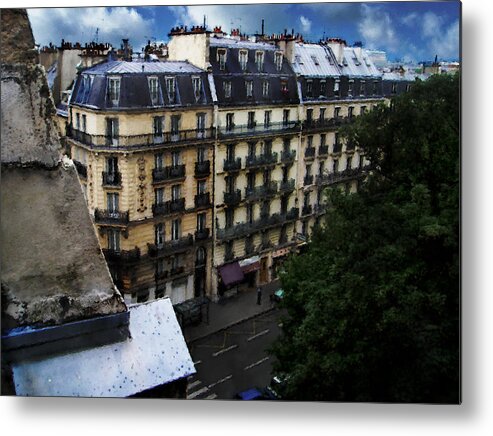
259,295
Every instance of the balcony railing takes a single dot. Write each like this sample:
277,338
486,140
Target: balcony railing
323,150
168,173
308,180
310,152
138,141
81,168
170,247
325,123
231,198
177,271
259,192
168,207
337,147
102,216
202,234
112,179
258,129
203,200
288,156
263,159
232,164
202,169
341,176
287,186
307,209
122,255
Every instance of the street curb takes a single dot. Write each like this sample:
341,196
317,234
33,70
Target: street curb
190,341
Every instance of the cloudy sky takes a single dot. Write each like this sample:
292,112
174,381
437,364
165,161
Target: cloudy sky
405,30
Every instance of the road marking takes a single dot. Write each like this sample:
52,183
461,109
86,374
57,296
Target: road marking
198,362
265,359
197,393
195,383
263,332
217,353
211,397
220,381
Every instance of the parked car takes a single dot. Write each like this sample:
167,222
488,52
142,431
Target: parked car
255,394
277,387
277,296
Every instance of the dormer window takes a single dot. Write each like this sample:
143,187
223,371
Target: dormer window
265,88
336,87
315,60
284,86
154,90
243,58
259,60
394,88
350,88
278,60
375,87
362,87
221,58
197,87
309,88
114,90
249,88
227,88
323,87
170,88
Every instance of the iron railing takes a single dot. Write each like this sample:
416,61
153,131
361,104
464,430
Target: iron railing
102,216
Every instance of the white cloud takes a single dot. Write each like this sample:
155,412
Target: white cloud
431,24
80,25
445,42
377,29
306,24
410,19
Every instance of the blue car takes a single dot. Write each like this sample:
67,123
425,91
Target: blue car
255,394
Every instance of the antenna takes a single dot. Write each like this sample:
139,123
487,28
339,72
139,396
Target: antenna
96,35
204,21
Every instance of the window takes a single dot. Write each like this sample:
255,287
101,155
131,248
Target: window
361,161
230,152
159,196
201,154
175,127
249,213
157,127
221,58
349,162
112,129
159,234
309,88
335,166
230,122
265,88
228,251
201,221
114,240
309,141
249,88
278,60
394,88
259,60
306,199
321,168
77,121
175,192
266,177
200,256
112,200
243,58
308,170
176,229
284,86
336,88
175,263
350,88
252,149
154,89
229,216
197,87
112,165
375,87
323,87
227,88
285,117
175,158
337,112
201,125
362,87
170,88
84,122
160,267
267,115
408,88
309,115
323,139
350,111
322,114
265,212
201,187
251,120
284,204
362,110
286,145
285,173
158,161
114,90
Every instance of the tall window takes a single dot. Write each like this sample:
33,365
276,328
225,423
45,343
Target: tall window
251,180
176,229
284,86
323,139
350,112
114,90
158,161
170,88
349,162
221,57
229,216
201,221
200,125
259,60
394,88
285,173
159,234
337,112
157,126
201,187
175,192
309,115
112,200
252,149
249,88
251,120
278,61
362,87
230,152
112,131
322,114
375,87
309,141
286,145
249,213
267,115
197,87
114,240
350,87
175,127
309,88
84,123
154,89
323,87
335,166
201,154
362,110
175,158
230,121
285,117
265,88
112,166
243,58
227,88
159,196
336,88
77,121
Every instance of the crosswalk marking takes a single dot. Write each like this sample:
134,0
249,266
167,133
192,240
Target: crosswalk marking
197,393
265,359
220,381
210,397
195,383
224,350
263,332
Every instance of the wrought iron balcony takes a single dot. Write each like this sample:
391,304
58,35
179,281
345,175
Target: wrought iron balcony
102,216
129,142
309,152
168,173
122,255
325,123
112,179
203,200
261,160
168,207
202,234
231,198
308,180
81,169
337,147
293,214
232,164
170,247
202,169
323,150
287,186
259,129
288,156
341,176
307,210
259,192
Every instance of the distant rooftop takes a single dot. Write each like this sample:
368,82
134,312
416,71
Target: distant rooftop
124,67
239,43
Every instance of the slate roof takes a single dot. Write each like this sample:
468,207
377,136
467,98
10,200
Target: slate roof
124,67
355,65
315,60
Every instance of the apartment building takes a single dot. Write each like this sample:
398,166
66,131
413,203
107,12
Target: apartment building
140,134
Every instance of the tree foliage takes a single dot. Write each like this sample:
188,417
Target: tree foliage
373,304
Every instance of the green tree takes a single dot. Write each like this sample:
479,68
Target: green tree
373,304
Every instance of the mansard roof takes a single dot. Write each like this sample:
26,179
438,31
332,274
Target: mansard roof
315,60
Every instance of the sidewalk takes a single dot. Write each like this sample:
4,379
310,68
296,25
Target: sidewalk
232,310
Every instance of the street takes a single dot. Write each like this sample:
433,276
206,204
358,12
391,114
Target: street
234,359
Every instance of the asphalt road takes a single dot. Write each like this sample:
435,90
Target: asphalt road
234,360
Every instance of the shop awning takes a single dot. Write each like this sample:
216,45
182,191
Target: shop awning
231,274
250,265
